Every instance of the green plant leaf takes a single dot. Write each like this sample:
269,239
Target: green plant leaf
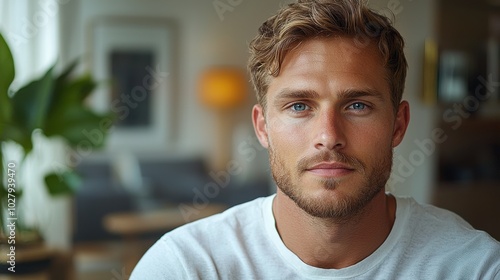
63,77
62,184
31,102
3,191
79,126
71,94
63,84
16,133
6,78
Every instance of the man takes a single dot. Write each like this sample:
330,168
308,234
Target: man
329,77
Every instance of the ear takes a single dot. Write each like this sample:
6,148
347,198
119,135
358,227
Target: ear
259,125
401,123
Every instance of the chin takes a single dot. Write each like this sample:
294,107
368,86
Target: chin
333,198
345,183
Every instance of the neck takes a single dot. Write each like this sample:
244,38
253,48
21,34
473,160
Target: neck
327,243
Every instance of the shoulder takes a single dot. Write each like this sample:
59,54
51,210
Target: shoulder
440,223
435,219
236,217
439,235
204,243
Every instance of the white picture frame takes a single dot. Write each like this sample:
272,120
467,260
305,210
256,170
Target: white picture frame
148,46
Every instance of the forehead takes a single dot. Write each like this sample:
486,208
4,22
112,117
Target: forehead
339,61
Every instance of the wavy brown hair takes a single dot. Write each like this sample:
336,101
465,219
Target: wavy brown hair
308,19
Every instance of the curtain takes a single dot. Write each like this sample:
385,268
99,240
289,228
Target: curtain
31,28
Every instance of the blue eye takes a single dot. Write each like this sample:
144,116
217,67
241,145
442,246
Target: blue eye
358,106
299,107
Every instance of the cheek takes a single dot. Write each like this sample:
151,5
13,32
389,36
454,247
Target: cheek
373,143
287,138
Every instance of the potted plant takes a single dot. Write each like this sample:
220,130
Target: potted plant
53,105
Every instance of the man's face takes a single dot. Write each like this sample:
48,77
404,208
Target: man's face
330,126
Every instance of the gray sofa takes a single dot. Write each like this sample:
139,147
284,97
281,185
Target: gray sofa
165,182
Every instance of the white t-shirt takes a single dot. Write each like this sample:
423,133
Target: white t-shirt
425,242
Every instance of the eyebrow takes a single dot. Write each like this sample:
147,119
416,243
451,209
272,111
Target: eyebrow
288,93
356,93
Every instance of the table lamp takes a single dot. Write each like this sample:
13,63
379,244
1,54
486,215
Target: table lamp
222,89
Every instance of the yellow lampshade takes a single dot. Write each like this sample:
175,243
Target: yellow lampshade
223,87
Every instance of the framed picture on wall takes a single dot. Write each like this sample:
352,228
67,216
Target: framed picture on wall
134,60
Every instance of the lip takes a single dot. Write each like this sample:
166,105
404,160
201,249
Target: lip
331,169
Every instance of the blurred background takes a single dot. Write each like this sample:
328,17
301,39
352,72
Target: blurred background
175,102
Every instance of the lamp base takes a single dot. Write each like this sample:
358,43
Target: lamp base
220,156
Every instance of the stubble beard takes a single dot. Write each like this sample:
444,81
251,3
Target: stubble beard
338,208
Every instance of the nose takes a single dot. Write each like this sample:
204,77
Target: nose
330,133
